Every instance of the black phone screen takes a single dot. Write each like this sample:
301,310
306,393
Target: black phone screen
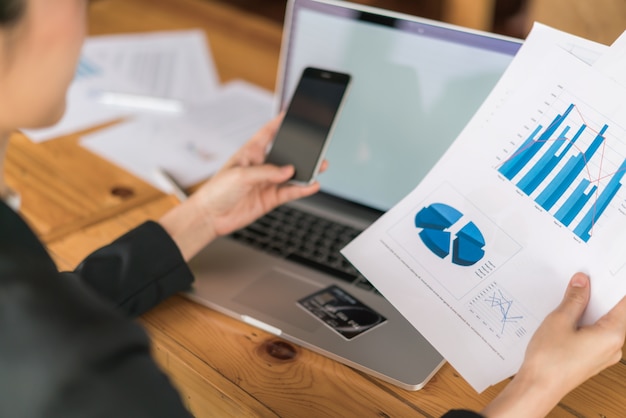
304,132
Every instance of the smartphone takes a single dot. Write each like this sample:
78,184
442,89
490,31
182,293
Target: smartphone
305,131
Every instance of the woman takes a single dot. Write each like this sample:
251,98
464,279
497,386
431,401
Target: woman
66,348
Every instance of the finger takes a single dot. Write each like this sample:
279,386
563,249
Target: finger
616,317
610,331
575,299
268,173
266,134
253,151
293,192
324,166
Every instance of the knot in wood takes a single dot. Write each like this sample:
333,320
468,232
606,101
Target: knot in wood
280,350
123,192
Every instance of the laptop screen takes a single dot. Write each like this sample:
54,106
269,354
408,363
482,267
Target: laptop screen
415,84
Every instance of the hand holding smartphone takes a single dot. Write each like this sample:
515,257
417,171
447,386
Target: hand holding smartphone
306,129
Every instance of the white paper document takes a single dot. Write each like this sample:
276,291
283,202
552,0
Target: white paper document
613,63
531,192
173,65
190,146
170,64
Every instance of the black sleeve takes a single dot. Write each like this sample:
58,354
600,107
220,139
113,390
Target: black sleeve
461,413
137,270
64,351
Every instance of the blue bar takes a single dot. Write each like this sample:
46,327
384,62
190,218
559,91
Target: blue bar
573,141
546,163
564,133
539,172
584,227
548,197
575,203
568,174
599,139
530,147
509,168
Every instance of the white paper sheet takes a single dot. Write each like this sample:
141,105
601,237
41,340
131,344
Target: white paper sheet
613,63
479,253
190,146
533,51
171,65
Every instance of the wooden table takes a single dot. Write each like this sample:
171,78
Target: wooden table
224,367
64,187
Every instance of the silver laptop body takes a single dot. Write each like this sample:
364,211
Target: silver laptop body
416,83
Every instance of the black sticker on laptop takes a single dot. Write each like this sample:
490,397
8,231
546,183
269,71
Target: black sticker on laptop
341,311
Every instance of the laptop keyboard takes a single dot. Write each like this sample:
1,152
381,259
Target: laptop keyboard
306,239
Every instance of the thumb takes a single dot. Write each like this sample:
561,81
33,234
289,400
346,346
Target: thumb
576,298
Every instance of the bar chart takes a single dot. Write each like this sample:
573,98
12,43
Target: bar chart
569,167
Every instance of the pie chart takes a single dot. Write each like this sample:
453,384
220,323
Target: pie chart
435,221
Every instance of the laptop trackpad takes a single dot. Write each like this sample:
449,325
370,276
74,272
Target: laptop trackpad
276,294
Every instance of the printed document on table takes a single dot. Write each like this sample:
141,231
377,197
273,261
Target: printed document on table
172,65
190,146
531,192
169,64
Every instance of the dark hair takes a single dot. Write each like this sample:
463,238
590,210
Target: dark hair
10,11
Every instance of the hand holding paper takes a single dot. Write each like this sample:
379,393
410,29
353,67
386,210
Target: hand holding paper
530,192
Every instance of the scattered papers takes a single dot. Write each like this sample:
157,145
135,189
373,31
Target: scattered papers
190,146
176,115
173,64
531,192
164,65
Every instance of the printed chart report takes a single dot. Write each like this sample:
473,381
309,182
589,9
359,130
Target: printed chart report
531,192
572,166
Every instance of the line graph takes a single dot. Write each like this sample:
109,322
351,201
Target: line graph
497,301
497,311
573,168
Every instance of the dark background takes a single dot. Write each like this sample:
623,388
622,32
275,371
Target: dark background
507,19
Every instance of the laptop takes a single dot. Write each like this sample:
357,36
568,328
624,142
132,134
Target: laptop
416,83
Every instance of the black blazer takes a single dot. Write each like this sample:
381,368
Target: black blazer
67,348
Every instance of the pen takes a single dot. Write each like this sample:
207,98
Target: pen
138,101
176,188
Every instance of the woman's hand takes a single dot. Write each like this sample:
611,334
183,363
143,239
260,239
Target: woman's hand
240,192
246,188
561,355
